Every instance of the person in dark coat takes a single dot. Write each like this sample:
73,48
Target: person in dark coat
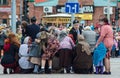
76,30
18,23
10,57
32,29
83,58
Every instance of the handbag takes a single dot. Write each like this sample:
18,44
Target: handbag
35,50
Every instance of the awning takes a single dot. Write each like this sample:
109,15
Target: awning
65,18
47,3
57,18
59,15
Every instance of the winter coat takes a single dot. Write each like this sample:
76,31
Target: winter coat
82,60
74,33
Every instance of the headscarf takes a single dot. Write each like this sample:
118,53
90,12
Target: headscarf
62,35
85,45
26,40
87,28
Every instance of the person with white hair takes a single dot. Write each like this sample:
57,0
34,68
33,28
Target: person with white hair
76,30
90,36
26,66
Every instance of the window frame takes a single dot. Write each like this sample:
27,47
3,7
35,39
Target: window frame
2,2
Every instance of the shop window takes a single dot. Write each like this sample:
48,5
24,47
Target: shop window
3,2
4,21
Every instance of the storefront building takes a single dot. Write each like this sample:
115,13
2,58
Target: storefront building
91,12
44,7
5,11
101,9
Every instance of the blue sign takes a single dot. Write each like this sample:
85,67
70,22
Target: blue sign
72,8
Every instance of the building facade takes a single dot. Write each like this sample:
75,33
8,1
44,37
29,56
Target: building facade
92,10
59,7
5,11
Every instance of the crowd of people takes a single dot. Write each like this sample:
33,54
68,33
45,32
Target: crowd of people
40,49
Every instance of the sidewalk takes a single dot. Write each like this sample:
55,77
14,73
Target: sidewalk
115,69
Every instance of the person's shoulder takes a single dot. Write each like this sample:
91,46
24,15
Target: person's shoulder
29,25
84,32
38,35
35,25
67,37
107,27
72,29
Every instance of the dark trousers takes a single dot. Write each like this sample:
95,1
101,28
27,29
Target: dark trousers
26,71
65,57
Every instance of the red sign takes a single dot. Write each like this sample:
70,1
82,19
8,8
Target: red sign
38,1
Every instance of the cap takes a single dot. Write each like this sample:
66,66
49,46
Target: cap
75,21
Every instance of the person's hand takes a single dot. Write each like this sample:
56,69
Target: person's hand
37,40
108,54
96,45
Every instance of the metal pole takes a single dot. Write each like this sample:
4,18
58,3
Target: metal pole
21,9
108,14
118,19
13,17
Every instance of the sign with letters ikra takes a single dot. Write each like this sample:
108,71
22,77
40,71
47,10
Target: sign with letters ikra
72,8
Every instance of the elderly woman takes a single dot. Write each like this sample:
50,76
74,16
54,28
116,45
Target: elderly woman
106,36
83,61
65,51
26,66
90,37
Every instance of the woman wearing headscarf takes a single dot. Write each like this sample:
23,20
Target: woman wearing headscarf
65,51
106,36
90,37
26,66
83,60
